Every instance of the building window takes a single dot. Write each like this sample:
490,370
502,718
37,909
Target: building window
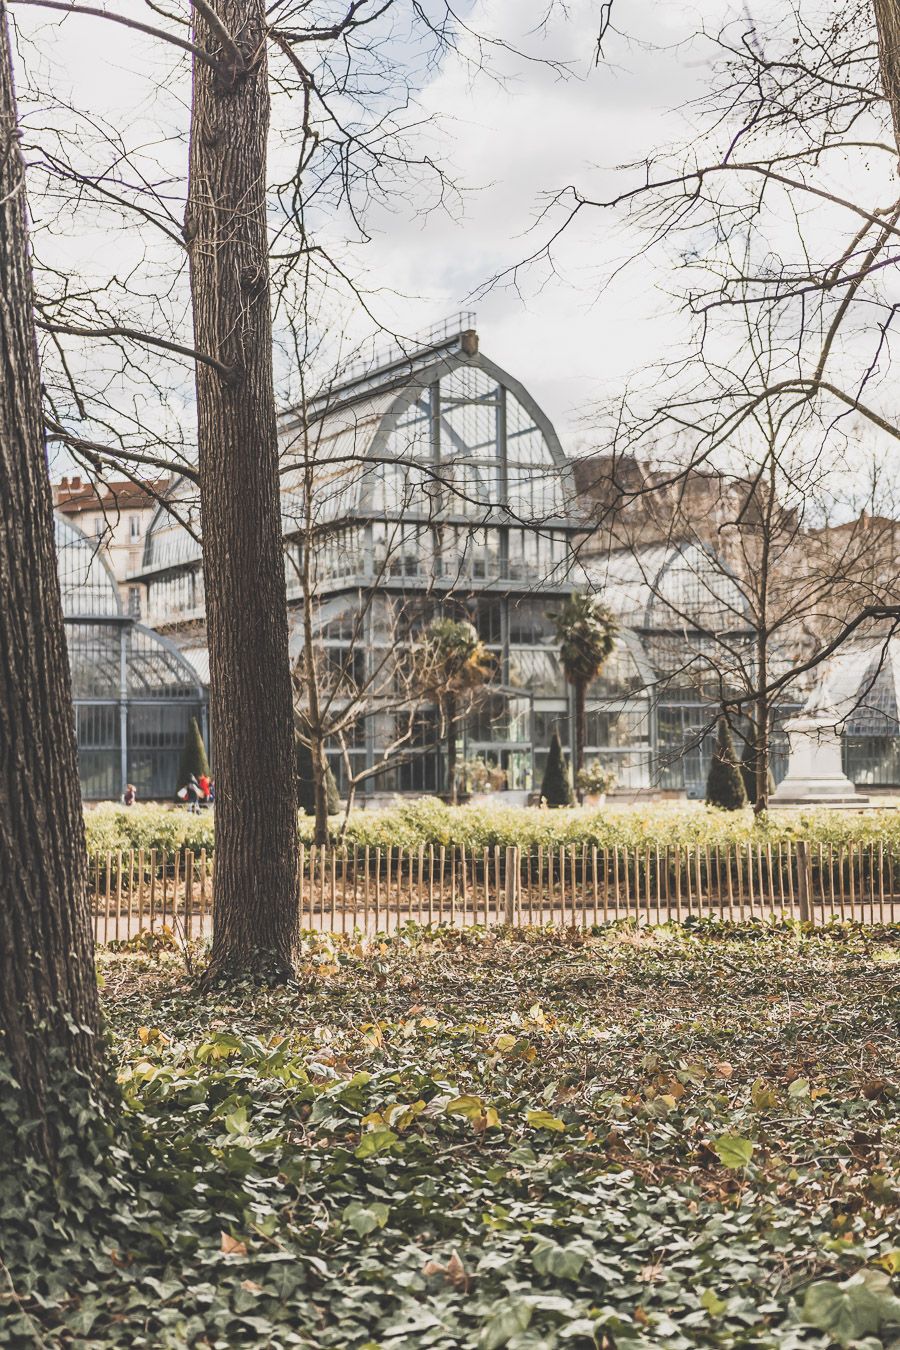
135,527
99,527
134,602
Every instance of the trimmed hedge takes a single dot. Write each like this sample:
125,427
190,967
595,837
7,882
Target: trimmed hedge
427,821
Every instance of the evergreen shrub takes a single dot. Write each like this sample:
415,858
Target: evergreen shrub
556,789
193,755
724,784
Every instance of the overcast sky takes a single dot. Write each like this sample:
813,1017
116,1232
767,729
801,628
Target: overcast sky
507,142
567,338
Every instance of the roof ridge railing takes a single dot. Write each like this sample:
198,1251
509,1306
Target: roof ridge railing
401,349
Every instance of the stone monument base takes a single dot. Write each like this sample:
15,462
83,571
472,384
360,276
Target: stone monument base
815,776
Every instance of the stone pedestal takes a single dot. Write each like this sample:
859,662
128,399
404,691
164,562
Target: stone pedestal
815,776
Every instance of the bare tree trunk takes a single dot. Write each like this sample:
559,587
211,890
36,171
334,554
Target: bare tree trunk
580,696
256,920
450,714
49,1016
320,782
887,21
762,735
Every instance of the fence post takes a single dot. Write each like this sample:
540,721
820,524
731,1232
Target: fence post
804,881
512,868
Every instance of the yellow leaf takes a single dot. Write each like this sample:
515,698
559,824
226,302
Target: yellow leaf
491,1118
470,1107
763,1095
373,1036
505,1042
542,1120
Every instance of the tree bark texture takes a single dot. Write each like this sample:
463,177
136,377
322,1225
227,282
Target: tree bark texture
49,1015
887,22
256,911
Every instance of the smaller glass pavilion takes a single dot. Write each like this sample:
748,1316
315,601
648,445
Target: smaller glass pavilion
134,692
862,684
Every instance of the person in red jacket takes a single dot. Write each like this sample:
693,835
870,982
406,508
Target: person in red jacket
203,780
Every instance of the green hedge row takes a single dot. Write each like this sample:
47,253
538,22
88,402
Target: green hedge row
428,821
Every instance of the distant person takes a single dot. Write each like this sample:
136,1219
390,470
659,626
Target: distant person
203,780
193,788
211,796
129,797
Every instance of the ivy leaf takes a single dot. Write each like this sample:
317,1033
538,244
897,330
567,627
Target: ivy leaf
714,1305
733,1151
564,1263
857,1307
507,1321
799,1088
364,1219
376,1141
542,1120
236,1122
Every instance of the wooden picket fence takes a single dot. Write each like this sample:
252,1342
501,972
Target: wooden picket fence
369,890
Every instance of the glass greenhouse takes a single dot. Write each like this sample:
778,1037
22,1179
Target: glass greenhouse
433,483
134,692
862,684
428,484
686,645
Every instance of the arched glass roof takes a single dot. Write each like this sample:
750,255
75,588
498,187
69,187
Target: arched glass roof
671,588
460,438
87,585
862,685
111,660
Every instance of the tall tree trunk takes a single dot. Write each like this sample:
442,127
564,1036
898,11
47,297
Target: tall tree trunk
256,918
320,781
450,715
763,718
580,696
49,1015
887,22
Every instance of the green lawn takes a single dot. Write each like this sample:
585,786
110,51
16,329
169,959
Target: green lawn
632,1140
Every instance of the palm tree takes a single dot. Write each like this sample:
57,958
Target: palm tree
586,632
452,661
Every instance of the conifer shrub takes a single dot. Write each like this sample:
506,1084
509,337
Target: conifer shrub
724,784
556,789
193,755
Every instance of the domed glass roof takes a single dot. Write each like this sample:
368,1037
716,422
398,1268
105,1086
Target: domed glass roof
459,438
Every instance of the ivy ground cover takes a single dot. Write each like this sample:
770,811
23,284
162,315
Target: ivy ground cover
624,1140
